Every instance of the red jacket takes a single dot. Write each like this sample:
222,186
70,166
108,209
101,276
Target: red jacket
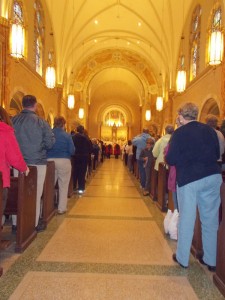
10,154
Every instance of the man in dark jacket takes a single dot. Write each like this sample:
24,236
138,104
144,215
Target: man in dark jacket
83,148
35,137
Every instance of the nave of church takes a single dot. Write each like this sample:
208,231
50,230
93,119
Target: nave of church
110,245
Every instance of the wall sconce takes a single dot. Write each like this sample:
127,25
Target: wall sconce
159,103
148,115
17,40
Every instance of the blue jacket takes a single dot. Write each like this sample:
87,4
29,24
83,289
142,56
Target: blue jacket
63,147
140,142
194,151
34,136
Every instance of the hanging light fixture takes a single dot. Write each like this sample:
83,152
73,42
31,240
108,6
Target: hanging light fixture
71,101
17,40
148,115
181,73
216,39
50,73
159,103
81,113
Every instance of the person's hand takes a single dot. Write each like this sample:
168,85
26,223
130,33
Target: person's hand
27,171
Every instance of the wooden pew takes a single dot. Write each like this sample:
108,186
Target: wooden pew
154,182
1,212
196,247
162,187
170,201
219,277
48,197
22,202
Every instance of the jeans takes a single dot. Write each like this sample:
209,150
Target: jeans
141,172
204,194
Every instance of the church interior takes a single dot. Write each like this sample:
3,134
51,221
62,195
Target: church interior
115,67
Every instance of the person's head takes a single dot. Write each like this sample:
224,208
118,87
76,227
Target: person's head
4,117
150,142
80,129
29,102
129,142
212,121
188,112
169,129
59,122
145,130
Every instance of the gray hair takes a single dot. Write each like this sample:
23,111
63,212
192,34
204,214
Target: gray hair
169,129
211,120
189,111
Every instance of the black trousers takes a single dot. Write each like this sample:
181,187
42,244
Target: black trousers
79,171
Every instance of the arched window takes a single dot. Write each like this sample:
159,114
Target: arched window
18,12
216,18
39,34
195,42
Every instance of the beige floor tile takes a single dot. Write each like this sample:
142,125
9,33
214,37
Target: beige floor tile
108,206
113,181
109,190
68,286
108,241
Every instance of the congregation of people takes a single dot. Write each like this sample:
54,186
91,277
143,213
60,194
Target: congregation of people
193,153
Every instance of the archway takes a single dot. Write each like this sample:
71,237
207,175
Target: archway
210,107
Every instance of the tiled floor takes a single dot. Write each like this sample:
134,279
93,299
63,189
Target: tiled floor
110,245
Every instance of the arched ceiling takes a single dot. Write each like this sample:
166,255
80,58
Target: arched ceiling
150,28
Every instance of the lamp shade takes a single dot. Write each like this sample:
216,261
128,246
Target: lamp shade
181,81
50,77
71,101
81,113
215,50
159,103
148,115
17,40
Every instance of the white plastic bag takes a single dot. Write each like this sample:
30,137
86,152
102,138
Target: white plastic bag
166,221
172,229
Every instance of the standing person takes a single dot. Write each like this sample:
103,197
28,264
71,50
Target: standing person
10,154
212,121
117,151
35,137
147,158
129,151
158,153
140,142
61,153
194,151
82,151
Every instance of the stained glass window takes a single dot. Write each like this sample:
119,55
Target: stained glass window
39,35
195,42
18,12
217,18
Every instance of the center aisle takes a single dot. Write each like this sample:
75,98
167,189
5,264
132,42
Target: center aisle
110,245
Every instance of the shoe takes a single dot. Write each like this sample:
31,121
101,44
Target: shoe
40,227
210,268
60,212
80,192
145,193
175,259
14,229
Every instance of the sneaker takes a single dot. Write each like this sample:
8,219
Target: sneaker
80,192
60,212
14,229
